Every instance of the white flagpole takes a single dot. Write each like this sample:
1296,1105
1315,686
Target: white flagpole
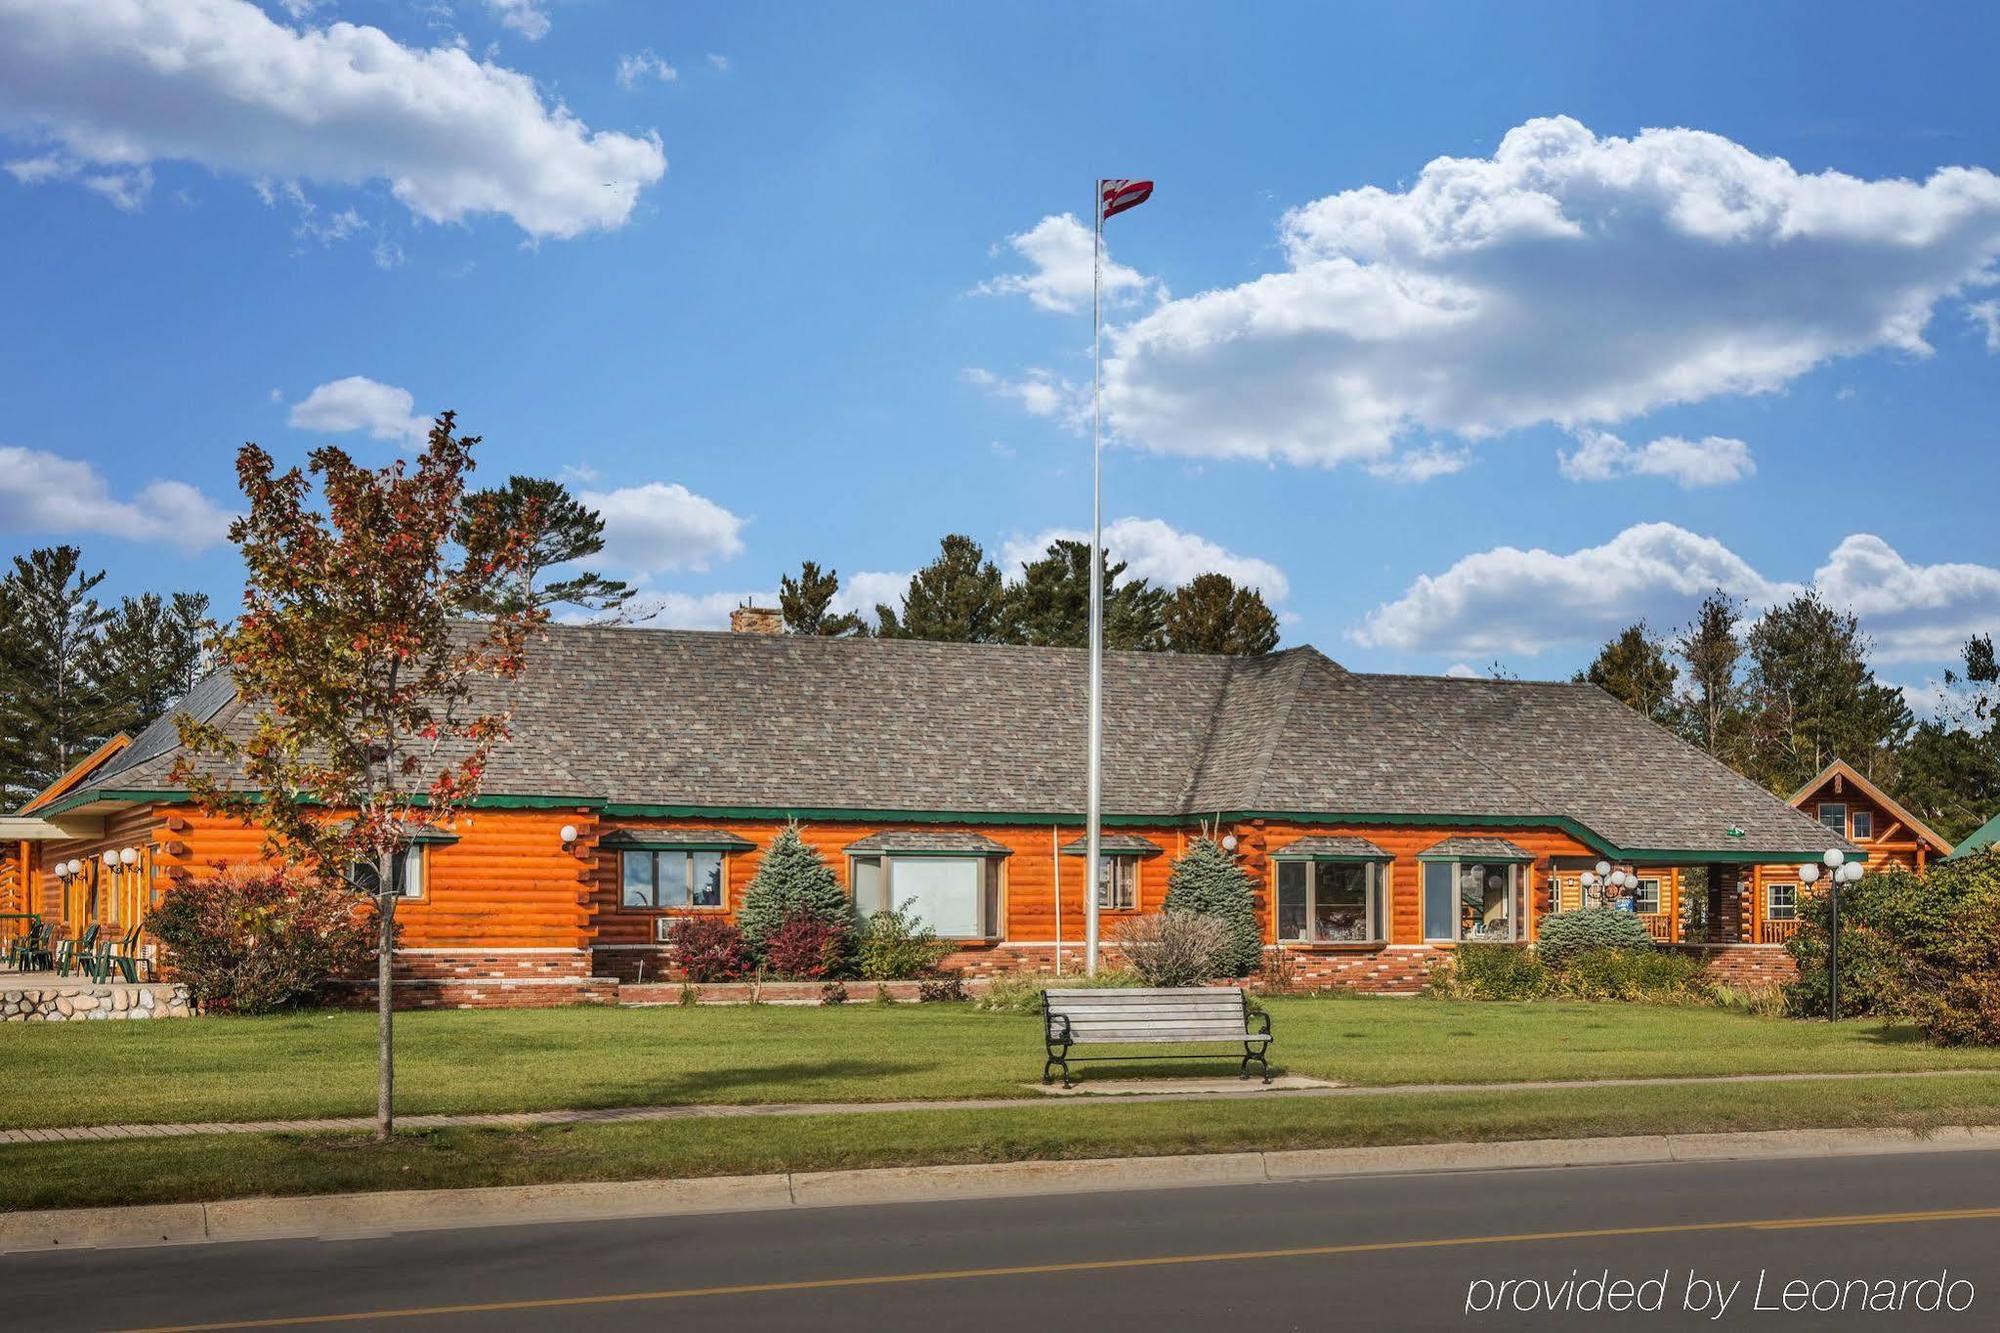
1096,765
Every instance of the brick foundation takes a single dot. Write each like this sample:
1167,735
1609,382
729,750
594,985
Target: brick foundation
1745,966
470,979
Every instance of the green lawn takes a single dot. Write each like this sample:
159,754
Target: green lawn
129,1171
323,1063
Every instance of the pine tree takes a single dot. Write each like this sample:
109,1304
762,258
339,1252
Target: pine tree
150,656
790,879
1212,613
1633,669
1050,605
957,598
1814,698
566,531
807,602
52,708
1207,881
1711,713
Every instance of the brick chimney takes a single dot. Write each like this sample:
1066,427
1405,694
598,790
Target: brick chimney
748,619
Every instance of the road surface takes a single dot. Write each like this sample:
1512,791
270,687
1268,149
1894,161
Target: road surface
1408,1252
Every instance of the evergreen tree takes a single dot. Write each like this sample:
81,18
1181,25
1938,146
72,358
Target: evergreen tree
790,879
150,656
565,531
1813,698
1711,710
1050,606
1633,669
1212,613
1949,771
52,706
957,598
1207,881
807,601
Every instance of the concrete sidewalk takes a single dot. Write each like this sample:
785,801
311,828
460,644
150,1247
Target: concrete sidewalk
341,1216
1120,1090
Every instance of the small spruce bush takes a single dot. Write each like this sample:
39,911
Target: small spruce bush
790,879
1565,935
1207,881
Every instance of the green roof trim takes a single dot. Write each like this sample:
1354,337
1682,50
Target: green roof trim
1980,838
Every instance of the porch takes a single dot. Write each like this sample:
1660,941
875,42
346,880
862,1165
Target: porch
1689,905
46,997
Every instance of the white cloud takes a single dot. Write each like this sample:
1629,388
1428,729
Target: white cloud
682,610
859,593
45,492
40,170
526,17
1038,392
1508,600
720,64
1059,248
221,84
359,403
1461,671
1155,550
1986,314
1569,279
1418,465
1914,612
661,526
642,65
1713,460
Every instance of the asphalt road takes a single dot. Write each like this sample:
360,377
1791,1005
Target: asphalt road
1408,1252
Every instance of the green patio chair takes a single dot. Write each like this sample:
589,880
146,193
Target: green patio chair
125,957
36,954
70,954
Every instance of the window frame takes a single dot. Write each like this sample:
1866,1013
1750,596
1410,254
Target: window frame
1374,908
721,904
1855,820
992,903
1118,866
1790,910
402,862
1639,896
1517,905
1821,809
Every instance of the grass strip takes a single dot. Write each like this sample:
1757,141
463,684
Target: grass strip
130,1171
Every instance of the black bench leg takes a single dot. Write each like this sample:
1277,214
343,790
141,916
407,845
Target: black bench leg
1058,1059
1261,1056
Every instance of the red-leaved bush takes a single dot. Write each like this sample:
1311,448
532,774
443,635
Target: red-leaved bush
807,947
251,939
709,948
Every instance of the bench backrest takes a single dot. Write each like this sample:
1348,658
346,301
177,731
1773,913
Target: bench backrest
1193,1013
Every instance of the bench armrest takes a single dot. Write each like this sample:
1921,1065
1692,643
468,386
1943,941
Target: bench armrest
1259,1017
1058,1029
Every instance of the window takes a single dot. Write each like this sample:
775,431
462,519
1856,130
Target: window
1782,902
670,880
1863,825
1833,814
408,869
1471,900
1330,902
956,896
1646,898
1118,883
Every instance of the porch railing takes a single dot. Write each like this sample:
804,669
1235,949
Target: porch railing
1659,925
1776,932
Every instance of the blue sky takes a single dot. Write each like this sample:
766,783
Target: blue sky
796,284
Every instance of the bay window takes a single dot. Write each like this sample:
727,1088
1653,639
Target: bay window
1330,902
670,880
1474,900
956,896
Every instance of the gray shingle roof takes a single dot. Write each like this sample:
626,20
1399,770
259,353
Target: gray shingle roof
928,840
711,721
701,839
1476,849
1347,848
1114,844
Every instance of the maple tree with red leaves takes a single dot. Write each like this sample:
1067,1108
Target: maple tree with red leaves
375,699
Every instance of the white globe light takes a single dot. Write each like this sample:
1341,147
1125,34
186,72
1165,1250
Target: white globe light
569,833
129,856
1603,869
1834,856
1810,874
111,858
1229,842
72,867
1853,871
1589,880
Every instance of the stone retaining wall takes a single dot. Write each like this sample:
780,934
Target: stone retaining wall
74,1003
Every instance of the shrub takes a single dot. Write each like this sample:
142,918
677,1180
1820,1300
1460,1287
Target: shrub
896,946
1492,972
1174,948
254,939
708,948
791,879
1945,933
1021,992
1656,976
833,992
942,988
1207,881
807,947
1868,954
1565,935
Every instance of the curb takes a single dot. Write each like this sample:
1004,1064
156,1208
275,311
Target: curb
347,1216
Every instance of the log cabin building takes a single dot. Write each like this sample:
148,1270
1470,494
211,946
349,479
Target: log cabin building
1384,819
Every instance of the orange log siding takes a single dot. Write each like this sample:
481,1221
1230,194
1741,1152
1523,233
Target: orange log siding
1892,844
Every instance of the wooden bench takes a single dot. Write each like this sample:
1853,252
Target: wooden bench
1152,1017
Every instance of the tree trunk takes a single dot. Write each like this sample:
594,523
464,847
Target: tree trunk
385,1006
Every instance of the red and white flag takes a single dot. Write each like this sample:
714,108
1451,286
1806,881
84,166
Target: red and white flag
1117,196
